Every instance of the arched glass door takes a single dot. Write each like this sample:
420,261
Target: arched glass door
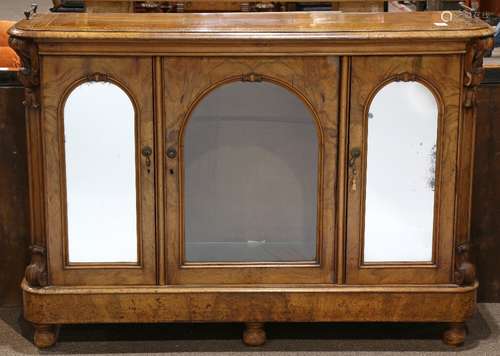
250,176
250,169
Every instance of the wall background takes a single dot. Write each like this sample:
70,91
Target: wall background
13,9
485,229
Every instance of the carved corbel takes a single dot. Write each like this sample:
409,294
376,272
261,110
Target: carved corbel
29,75
465,271
36,272
474,71
31,99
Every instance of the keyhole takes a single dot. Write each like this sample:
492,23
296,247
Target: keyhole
147,152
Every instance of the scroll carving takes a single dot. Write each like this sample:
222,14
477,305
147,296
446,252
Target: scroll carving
98,77
251,77
465,271
36,272
474,72
31,99
29,75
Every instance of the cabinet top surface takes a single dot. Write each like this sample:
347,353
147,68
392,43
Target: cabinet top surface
277,25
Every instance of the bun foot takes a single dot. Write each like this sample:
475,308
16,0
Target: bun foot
455,334
254,334
45,335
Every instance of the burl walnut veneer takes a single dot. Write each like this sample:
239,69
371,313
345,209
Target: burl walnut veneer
169,68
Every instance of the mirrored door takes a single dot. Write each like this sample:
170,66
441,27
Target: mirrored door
100,161
402,145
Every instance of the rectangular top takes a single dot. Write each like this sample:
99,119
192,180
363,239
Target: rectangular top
253,26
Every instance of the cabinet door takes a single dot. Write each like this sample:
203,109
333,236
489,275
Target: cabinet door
99,164
250,169
402,168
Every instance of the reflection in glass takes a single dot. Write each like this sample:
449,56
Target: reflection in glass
400,181
99,131
250,176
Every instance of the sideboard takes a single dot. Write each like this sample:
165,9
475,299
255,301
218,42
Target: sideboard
253,168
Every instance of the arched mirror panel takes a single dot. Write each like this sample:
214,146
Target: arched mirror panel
250,176
99,132
401,174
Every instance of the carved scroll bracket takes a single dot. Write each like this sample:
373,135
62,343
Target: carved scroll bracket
465,271
31,98
29,75
474,72
36,272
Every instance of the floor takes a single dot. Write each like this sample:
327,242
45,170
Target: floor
283,339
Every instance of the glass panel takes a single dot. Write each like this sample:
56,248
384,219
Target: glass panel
99,130
402,132
250,153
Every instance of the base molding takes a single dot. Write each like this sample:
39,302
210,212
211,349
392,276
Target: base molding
328,303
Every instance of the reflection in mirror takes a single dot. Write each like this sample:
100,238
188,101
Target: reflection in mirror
99,131
400,178
250,168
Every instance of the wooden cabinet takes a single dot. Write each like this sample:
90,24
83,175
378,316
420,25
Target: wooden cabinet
205,167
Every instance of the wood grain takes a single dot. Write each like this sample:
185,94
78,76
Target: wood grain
59,77
167,63
248,304
244,26
368,75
